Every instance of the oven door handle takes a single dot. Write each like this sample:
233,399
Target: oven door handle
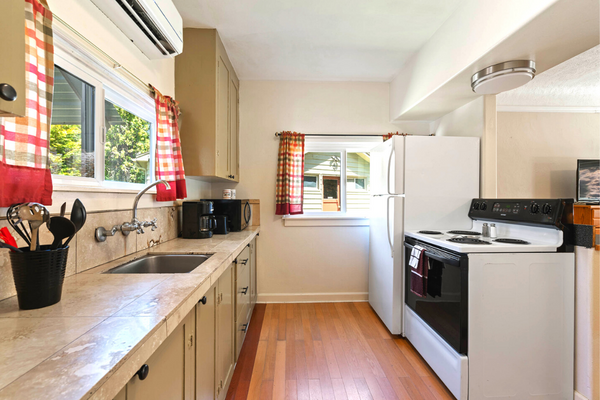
429,254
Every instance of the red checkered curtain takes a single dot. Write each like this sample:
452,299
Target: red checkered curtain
289,191
169,163
24,157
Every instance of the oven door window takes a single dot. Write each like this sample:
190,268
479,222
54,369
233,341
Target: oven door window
444,308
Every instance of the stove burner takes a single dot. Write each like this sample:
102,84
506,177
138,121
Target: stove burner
430,232
467,240
470,233
511,241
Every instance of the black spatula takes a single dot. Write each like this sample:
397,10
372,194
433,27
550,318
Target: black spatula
61,228
78,217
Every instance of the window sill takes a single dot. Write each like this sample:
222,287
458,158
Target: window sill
62,185
316,220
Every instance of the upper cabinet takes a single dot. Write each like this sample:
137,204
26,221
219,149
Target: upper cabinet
12,62
207,89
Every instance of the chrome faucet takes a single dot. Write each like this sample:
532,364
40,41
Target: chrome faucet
134,224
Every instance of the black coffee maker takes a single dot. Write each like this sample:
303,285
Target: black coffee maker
199,220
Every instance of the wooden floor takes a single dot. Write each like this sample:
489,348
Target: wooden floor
328,351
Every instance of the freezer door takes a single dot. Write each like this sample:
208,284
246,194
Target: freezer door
441,179
387,167
386,235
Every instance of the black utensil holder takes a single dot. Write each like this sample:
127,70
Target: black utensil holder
39,276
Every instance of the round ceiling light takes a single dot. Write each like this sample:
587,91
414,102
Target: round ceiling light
502,77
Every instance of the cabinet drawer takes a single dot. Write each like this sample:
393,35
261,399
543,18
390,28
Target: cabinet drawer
244,256
242,288
241,329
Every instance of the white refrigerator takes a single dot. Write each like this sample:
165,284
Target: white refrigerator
417,182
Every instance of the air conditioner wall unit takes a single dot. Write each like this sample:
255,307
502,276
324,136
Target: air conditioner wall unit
154,26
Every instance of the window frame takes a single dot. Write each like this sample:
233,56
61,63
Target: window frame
355,179
108,86
343,145
316,182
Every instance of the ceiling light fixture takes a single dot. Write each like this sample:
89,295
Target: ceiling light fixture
502,77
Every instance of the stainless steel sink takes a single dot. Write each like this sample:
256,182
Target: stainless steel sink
161,264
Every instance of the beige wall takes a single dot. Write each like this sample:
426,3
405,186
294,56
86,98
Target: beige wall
538,152
306,263
475,119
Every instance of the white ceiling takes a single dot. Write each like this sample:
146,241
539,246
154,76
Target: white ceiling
329,40
573,83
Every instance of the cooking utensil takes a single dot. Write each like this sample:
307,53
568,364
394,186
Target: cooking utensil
17,223
63,209
78,217
61,228
36,214
6,236
8,246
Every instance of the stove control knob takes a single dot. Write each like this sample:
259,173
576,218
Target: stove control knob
535,208
483,206
546,209
476,206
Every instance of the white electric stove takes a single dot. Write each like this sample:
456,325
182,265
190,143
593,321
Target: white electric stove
498,317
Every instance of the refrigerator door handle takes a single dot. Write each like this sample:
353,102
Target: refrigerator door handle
389,186
388,226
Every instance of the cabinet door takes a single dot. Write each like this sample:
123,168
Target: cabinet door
253,288
205,346
222,119
234,158
12,48
225,315
169,375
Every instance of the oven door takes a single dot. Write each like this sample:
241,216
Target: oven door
445,307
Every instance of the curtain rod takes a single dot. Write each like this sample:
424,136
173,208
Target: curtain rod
278,134
116,65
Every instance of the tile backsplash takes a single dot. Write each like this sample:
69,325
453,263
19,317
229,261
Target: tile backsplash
85,252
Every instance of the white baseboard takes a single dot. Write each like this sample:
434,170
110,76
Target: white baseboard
312,297
579,396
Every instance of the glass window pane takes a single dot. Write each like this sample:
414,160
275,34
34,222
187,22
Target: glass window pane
72,126
325,194
127,147
358,167
310,181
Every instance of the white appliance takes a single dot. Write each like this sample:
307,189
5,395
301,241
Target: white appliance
154,26
410,176
498,319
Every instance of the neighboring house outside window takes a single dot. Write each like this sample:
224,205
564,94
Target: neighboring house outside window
336,181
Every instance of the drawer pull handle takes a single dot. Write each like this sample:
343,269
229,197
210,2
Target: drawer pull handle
244,262
203,300
244,327
143,372
245,290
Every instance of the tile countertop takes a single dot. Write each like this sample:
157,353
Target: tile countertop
93,341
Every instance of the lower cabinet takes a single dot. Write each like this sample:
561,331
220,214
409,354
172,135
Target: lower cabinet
253,286
245,266
197,360
169,372
224,332
205,345
214,346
